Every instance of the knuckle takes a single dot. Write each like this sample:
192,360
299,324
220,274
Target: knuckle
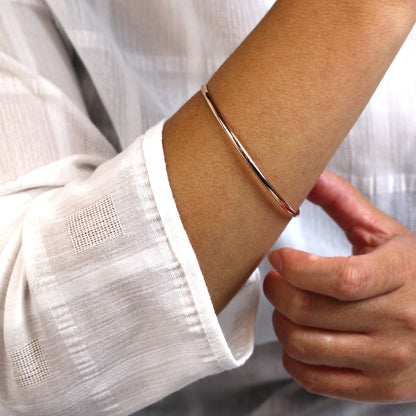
295,346
407,318
307,379
300,309
311,383
349,282
401,356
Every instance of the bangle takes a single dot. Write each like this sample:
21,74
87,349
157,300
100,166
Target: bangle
243,153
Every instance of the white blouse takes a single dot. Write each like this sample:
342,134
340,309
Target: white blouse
103,307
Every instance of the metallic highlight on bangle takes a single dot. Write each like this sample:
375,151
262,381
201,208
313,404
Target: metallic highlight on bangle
243,153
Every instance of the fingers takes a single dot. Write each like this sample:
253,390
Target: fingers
331,382
344,278
327,348
317,311
351,210
344,383
347,365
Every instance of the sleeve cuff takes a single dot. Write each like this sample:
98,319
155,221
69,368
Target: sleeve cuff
230,336
118,305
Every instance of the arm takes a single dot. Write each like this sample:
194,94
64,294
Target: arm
91,288
292,91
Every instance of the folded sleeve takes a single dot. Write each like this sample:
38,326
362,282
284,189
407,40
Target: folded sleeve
105,303
103,307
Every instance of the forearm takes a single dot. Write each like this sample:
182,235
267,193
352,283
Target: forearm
292,91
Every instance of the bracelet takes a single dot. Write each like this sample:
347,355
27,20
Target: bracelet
243,153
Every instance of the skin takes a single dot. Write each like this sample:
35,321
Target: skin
348,324
292,91
291,98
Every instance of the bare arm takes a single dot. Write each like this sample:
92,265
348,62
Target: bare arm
292,91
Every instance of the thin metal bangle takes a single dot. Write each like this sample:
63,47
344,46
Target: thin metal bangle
243,152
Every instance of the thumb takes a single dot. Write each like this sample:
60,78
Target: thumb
355,214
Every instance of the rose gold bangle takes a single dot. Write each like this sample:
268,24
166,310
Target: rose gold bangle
243,152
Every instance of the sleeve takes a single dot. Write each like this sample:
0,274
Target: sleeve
103,307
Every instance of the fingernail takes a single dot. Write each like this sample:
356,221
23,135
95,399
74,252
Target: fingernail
275,260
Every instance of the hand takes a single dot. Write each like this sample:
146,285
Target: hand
348,324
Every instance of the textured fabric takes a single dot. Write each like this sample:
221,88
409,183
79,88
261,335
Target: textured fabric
103,307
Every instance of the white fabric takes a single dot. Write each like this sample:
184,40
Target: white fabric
103,306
